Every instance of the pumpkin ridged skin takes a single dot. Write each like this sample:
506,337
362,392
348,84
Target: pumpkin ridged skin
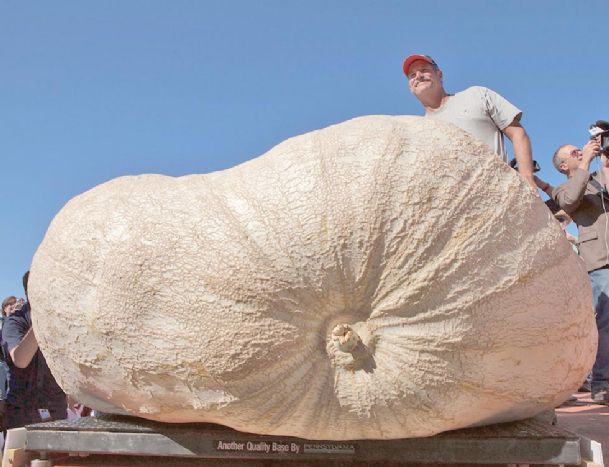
221,297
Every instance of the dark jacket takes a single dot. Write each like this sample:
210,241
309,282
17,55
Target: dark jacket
33,386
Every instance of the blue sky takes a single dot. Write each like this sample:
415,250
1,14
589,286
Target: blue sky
94,90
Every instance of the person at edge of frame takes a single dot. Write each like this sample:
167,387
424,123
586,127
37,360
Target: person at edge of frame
33,394
584,197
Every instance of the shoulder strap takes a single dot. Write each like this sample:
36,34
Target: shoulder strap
595,184
601,191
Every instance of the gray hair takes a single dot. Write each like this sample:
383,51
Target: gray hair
557,160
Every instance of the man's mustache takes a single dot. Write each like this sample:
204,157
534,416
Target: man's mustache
422,80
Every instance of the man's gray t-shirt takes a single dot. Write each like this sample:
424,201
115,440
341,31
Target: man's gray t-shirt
482,113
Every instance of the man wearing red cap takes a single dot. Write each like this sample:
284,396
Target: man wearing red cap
480,111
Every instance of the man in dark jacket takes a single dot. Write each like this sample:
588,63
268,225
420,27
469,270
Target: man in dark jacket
33,394
584,197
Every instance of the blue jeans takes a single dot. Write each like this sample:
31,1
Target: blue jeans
600,293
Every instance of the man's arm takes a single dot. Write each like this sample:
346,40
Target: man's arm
543,186
522,151
569,195
18,338
23,352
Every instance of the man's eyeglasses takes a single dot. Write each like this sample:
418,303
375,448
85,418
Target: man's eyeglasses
575,153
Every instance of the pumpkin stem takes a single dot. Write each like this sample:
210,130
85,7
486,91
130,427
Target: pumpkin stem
345,338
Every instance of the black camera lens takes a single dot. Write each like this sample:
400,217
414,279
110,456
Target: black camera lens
514,165
605,142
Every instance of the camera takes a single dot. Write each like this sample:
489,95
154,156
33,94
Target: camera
601,128
514,165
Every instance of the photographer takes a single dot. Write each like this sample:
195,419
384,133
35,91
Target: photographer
33,394
584,197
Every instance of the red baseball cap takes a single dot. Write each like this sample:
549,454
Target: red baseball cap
413,58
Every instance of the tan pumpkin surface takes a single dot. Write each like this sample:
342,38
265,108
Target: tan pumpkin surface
386,277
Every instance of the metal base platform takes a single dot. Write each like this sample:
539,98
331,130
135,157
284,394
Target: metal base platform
525,442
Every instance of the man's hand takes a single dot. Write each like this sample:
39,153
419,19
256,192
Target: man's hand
543,186
589,152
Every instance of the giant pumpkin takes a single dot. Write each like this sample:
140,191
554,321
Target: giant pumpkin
382,278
